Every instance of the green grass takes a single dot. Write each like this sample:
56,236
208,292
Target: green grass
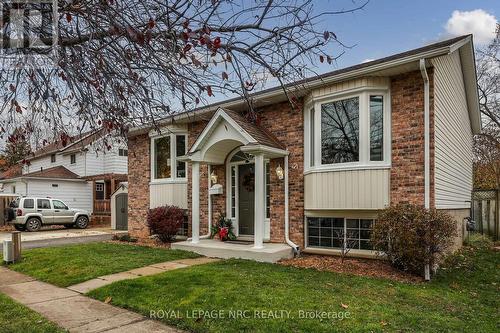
462,297
68,265
16,318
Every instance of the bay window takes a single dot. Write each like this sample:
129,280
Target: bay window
340,131
348,131
165,151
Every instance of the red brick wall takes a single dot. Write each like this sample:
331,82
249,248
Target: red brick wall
138,184
287,125
407,172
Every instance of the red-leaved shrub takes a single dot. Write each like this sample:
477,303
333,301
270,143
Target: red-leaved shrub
165,222
412,236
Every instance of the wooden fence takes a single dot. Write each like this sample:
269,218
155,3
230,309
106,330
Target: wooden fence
485,212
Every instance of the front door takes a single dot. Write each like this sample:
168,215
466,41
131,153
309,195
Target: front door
246,196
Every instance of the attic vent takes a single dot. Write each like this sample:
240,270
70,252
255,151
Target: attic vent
55,185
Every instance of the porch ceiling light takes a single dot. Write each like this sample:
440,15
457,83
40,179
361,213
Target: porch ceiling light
279,172
213,177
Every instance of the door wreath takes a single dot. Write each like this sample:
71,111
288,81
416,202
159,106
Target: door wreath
249,181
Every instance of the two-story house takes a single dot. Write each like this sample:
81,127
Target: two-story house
397,129
83,173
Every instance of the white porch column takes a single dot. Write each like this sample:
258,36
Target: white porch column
195,202
260,213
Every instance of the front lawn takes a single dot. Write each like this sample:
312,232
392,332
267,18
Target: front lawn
68,265
464,298
16,318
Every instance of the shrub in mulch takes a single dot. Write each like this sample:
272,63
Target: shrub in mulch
361,267
125,238
412,237
165,222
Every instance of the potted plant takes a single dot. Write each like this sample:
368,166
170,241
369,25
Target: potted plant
223,229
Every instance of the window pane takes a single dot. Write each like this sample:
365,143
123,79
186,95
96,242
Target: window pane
311,137
29,203
376,128
59,204
181,151
233,191
162,157
268,191
43,204
340,131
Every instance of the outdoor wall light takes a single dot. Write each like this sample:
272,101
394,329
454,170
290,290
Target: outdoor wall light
213,177
279,172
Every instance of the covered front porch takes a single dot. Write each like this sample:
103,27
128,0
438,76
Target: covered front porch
233,156
271,252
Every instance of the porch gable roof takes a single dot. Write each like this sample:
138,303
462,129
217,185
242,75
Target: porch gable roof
249,133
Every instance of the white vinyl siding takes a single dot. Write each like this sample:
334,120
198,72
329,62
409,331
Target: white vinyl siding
168,194
347,189
75,194
452,135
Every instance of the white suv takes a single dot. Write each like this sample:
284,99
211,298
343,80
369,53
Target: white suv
30,213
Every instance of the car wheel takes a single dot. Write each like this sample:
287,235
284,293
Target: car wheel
33,224
20,227
82,222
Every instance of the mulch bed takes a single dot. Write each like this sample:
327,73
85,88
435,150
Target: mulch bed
362,267
145,242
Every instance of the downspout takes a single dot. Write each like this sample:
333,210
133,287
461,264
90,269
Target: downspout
427,173
295,247
427,154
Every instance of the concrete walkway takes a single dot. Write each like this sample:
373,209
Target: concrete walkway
77,313
58,237
101,281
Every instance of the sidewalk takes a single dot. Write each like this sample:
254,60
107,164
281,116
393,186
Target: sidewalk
101,281
73,311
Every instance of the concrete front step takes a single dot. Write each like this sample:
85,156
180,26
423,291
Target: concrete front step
272,252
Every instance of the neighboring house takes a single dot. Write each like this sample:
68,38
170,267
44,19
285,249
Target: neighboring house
397,129
83,173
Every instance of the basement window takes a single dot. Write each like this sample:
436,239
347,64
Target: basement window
337,232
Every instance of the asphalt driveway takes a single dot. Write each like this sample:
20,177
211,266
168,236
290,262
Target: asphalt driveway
55,237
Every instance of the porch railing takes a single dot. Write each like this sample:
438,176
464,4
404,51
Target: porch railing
102,206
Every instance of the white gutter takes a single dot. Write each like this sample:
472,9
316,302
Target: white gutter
295,247
427,154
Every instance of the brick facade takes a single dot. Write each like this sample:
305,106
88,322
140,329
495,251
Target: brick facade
138,184
407,106
406,179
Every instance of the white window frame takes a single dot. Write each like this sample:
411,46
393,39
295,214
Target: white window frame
364,131
337,250
173,158
229,213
